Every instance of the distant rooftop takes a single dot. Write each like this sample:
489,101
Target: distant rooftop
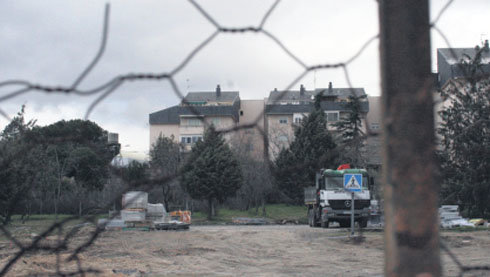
218,96
449,62
172,115
304,95
455,55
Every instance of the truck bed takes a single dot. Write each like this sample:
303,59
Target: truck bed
310,195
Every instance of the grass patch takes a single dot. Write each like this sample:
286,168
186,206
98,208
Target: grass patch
39,223
274,213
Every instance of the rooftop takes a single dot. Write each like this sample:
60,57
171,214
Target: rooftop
304,95
456,55
218,96
172,115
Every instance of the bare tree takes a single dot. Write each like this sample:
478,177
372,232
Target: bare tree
165,161
256,173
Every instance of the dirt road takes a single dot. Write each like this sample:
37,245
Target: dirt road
245,251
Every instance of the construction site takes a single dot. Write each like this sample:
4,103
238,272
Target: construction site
271,250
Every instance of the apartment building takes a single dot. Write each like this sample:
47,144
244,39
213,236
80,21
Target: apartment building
187,121
286,109
275,116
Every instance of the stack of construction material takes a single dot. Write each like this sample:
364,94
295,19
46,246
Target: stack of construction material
111,224
180,216
450,217
134,205
156,212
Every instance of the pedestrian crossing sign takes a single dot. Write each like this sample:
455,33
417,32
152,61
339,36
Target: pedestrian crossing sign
353,182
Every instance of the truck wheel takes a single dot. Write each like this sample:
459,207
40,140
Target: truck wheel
325,224
363,223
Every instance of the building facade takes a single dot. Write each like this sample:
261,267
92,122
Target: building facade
273,118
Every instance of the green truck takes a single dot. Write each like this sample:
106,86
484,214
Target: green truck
329,202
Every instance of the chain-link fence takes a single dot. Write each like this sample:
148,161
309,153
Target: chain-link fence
410,172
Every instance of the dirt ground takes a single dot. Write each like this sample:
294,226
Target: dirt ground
291,250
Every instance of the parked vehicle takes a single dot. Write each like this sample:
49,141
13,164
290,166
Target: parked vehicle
328,202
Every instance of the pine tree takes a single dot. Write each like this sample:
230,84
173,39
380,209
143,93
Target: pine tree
351,137
212,172
312,149
465,142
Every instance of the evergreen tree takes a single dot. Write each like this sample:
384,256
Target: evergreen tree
19,166
212,172
312,149
351,137
135,173
465,142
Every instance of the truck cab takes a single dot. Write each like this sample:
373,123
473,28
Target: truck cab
328,202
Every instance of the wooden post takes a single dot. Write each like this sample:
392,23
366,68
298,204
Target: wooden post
409,166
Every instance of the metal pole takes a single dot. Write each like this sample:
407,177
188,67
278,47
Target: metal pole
409,167
352,215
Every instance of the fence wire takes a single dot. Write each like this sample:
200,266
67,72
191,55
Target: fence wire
65,234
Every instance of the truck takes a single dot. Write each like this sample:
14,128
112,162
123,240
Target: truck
328,202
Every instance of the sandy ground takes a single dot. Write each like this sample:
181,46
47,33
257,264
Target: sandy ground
241,250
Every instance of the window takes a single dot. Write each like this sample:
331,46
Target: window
194,122
332,116
216,121
190,139
374,126
298,118
196,139
241,112
185,140
283,120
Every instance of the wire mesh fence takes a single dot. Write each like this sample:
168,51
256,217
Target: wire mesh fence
399,241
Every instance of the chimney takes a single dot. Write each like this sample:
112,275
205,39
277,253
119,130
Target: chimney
485,46
218,91
330,89
302,90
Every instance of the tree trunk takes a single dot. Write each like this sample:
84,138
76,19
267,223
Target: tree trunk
264,212
214,210
210,208
7,219
165,193
80,207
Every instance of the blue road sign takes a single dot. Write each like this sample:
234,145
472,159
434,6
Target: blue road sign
353,182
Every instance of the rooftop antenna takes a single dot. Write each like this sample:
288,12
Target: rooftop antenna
483,37
187,81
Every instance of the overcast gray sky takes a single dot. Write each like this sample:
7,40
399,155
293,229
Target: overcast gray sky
51,41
